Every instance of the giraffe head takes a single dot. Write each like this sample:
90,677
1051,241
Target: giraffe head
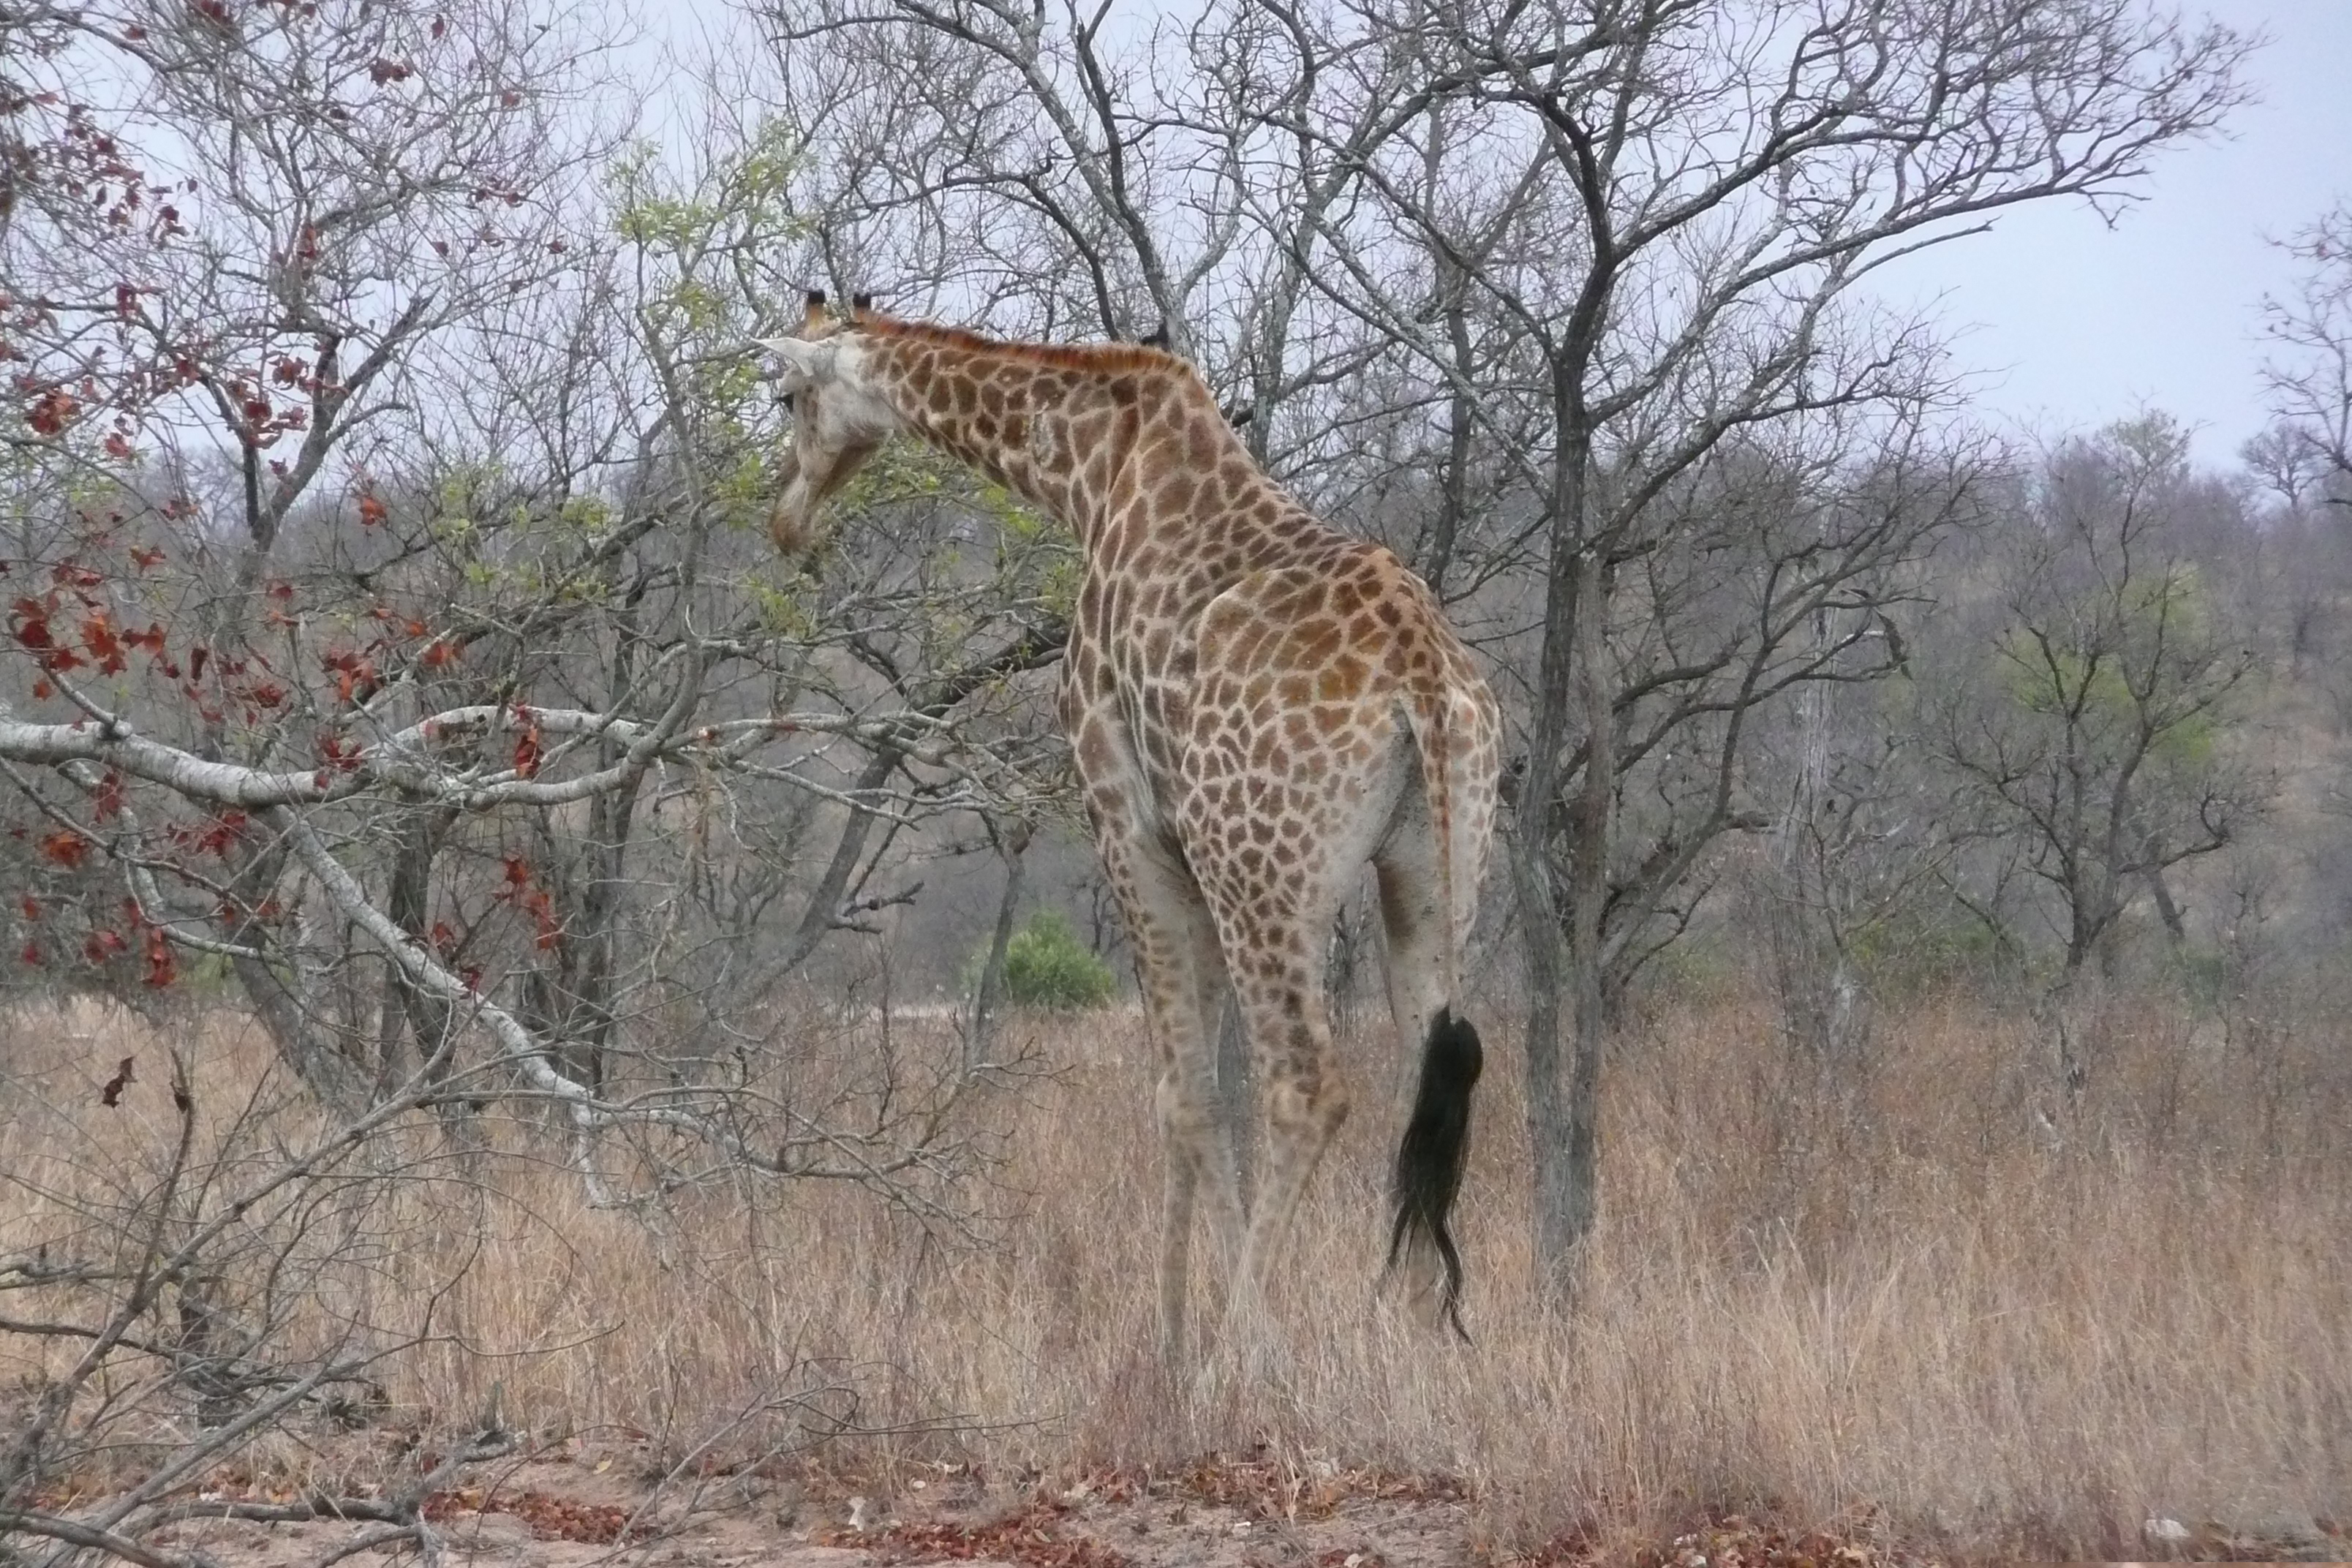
838,416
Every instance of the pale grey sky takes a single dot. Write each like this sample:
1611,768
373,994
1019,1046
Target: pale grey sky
2072,323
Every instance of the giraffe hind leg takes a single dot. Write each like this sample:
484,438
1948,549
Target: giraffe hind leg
1304,1102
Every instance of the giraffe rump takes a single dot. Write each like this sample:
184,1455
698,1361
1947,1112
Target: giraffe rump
1436,1148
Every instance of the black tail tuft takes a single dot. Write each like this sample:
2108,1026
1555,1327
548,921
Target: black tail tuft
1436,1146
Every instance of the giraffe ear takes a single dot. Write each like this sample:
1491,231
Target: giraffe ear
813,310
799,362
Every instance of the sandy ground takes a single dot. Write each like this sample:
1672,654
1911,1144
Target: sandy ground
577,1505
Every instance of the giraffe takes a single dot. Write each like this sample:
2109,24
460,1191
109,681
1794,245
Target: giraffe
1257,705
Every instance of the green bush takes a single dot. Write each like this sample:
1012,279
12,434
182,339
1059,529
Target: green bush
1048,968
1929,944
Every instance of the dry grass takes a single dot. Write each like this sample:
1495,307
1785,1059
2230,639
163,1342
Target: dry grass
1812,1295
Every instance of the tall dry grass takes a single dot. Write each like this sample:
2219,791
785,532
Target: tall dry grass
1817,1292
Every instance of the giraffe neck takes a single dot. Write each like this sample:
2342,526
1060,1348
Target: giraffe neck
1059,428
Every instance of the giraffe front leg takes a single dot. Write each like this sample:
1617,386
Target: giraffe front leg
1220,1169
1176,952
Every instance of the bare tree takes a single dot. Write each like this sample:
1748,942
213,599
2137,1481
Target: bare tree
1728,173
471,734
2096,732
2310,381
1594,271
391,631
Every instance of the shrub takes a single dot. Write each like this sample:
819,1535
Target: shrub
1048,968
1926,945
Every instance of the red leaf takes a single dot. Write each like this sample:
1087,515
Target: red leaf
67,847
97,635
31,953
146,558
372,511
32,619
52,412
109,796
160,967
30,905
118,446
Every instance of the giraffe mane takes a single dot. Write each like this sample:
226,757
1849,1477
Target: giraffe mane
1102,358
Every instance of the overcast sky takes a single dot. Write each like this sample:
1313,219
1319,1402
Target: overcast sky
2074,323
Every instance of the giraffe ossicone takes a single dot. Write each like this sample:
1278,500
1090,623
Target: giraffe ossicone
1258,705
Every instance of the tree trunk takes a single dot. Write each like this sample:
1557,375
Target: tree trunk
285,1014
1547,1117
1588,903
588,1021
823,915
409,1012
1564,944
1454,493
988,997
2176,929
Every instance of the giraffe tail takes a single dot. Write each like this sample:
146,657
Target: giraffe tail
1436,1148
1436,1145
